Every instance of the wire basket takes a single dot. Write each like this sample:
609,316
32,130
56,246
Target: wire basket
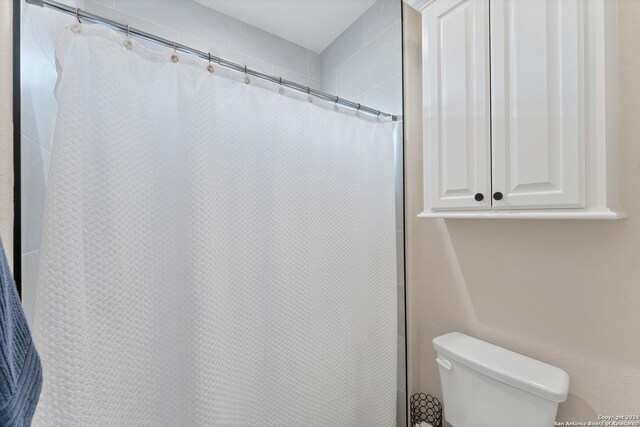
425,408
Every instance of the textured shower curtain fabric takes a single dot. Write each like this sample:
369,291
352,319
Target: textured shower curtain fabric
214,253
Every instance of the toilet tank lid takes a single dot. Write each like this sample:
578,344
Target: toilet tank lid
517,370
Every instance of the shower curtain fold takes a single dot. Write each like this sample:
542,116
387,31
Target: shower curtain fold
214,252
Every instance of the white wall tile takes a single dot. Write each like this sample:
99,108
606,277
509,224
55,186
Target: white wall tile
205,46
330,83
34,168
259,44
6,182
6,130
385,96
47,24
37,81
108,3
314,65
374,63
343,47
201,44
29,276
6,49
379,17
298,78
193,19
182,16
142,24
366,59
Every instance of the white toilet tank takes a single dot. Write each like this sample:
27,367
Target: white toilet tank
484,385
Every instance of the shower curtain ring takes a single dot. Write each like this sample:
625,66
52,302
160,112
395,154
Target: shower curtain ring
174,57
359,106
78,15
310,99
210,67
127,41
281,90
246,78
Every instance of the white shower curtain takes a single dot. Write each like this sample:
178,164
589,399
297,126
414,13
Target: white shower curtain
215,253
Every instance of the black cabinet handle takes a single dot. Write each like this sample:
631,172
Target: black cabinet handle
497,195
479,197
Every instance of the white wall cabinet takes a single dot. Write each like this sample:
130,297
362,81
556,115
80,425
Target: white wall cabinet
456,100
520,108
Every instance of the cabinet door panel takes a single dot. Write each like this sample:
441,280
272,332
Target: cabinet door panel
537,87
456,104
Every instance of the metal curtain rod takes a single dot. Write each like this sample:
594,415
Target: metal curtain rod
130,31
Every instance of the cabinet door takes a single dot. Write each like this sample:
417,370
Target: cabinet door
456,105
537,103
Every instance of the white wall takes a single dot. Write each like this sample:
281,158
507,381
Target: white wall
203,28
6,129
564,292
364,63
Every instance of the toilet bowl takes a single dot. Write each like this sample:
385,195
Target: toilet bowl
484,385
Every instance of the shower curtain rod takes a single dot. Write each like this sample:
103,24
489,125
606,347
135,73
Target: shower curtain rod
87,16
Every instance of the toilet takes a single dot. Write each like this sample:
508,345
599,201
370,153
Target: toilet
484,385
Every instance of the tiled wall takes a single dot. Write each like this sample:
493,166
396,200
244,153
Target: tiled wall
205,29
6,129
363,65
